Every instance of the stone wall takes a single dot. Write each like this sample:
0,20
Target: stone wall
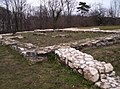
97,42
72,30
1,39
100,73
90,30
30,51
79,30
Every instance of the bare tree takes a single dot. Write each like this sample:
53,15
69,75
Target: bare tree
98,13
7,3
70,7
18,9
111,12
56,7
115,7
98,10
43,13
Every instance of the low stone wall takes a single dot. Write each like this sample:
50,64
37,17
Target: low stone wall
1,37
70,30
85,43
97,42
31,51
100,73
79,30
90,30
28,50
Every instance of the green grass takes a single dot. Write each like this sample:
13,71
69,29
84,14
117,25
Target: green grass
103,27
48,40
109,27
15,73
108,54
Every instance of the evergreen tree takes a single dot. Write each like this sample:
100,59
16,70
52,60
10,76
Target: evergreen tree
83,8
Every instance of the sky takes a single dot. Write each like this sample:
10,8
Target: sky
106,3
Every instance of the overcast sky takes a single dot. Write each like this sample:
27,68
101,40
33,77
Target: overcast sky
105,3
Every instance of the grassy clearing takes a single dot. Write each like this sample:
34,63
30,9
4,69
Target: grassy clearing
103,27
108,54
49,40
15,73
109,27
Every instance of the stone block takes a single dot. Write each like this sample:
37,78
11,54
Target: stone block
91,74
108,67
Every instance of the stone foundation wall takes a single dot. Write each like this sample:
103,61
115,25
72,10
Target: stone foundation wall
100,73
98,42
79,30
30,51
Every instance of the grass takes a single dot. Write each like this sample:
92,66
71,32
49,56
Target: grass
109,54
103,27
109,27
15,73
48,40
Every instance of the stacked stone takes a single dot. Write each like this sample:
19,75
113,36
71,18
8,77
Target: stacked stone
101,41
1,38
90,30
100,73
77,30
28,50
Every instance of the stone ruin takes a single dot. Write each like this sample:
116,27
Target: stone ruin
1,37
98,42
62,36
100,73
40,34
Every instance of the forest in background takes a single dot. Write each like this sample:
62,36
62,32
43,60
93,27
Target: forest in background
18,15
